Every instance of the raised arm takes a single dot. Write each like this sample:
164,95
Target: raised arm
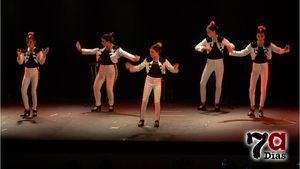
171,68
137,68
84,51
241,53
120,52
279,50
42,55
200,47
230,47
20,57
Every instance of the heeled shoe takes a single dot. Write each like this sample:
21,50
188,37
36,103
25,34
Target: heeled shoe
34,113
251,112
217,108
141,123
96,109
26,113
202,107
156,123
260,113
111,108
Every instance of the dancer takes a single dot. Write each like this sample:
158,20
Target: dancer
31,58
261,52
155,68
107,57
214,47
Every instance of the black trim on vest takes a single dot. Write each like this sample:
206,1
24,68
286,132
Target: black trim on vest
31,62
105,56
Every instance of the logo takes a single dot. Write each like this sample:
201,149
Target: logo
267,146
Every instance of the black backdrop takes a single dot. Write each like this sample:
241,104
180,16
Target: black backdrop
179,25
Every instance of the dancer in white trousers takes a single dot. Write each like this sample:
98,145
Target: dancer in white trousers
31,58
107,58
155,67
214,47
261,53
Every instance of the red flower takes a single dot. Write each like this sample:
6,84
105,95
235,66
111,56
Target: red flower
261,28
30,33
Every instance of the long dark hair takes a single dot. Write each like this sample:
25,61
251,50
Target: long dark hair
157,47
109,37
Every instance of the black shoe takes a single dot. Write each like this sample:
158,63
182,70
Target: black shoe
111,108
251,112
217,108
202,107
25,114
260,113
141,123
96,109
34,113
156,123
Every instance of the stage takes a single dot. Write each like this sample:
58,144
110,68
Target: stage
72,135
178,123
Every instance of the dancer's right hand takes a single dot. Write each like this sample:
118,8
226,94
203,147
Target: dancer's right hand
128,65
78,47
207,48
19,52
137,58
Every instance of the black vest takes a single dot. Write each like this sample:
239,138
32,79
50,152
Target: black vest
31,58
105,56
261,53
215,52
155,69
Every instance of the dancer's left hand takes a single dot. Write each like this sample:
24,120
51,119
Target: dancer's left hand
137,58
45,51
287,48
176,67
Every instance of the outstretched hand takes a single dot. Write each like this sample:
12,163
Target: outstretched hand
176,67
230,49
45,51
19,52
78,47
137,58
128,65
287,48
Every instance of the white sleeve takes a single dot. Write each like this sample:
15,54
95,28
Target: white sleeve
139,67
41,58
170,67
277,49
200,45
121,52
241,53
20,60
89,51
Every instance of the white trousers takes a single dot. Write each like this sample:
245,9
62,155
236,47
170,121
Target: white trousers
31,75
211,66
151,83
261,70
106,73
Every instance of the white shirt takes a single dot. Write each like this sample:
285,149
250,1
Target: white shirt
250,50
114,54
147,64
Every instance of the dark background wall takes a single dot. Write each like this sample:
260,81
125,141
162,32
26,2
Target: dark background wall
179,25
